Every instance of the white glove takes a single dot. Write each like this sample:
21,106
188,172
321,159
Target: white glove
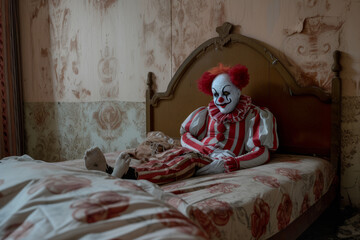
219,157
220,154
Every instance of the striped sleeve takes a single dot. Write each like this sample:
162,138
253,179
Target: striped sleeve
261,137
258,156
262,130
193,130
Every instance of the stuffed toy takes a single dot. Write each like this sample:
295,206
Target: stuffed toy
227,135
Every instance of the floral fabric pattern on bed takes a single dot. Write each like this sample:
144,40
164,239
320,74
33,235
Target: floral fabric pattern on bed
40,200
254,203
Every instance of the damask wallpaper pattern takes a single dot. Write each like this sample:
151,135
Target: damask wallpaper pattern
85,64
350,158
61,131
310,51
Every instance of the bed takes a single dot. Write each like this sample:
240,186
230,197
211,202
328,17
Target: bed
277,200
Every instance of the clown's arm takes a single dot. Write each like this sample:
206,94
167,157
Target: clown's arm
193,130
261,138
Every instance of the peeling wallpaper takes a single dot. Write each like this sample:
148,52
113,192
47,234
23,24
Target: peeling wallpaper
85,64
82,50
313,48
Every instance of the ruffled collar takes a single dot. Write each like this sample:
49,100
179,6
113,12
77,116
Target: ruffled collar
236,115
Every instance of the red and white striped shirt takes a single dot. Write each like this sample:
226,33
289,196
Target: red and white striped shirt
249,132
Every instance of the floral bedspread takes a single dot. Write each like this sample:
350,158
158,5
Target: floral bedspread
40,200
253,203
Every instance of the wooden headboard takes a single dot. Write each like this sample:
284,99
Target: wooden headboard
308,119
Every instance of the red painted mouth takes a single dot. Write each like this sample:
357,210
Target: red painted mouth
224,104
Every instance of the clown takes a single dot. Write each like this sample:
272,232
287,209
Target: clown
230,130
229,134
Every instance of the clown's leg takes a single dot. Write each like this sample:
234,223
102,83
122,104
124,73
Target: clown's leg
95,160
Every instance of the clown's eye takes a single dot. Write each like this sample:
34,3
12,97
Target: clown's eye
226,93
215,94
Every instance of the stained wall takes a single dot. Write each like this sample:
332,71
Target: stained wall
85,64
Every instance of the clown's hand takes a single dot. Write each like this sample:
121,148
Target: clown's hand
231,165
220,163
222,154
228,157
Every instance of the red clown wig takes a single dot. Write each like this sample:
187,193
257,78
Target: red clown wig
239,76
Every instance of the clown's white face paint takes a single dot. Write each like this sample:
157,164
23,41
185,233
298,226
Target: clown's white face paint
226,95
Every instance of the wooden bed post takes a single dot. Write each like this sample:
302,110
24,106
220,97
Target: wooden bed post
336,112
149,95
